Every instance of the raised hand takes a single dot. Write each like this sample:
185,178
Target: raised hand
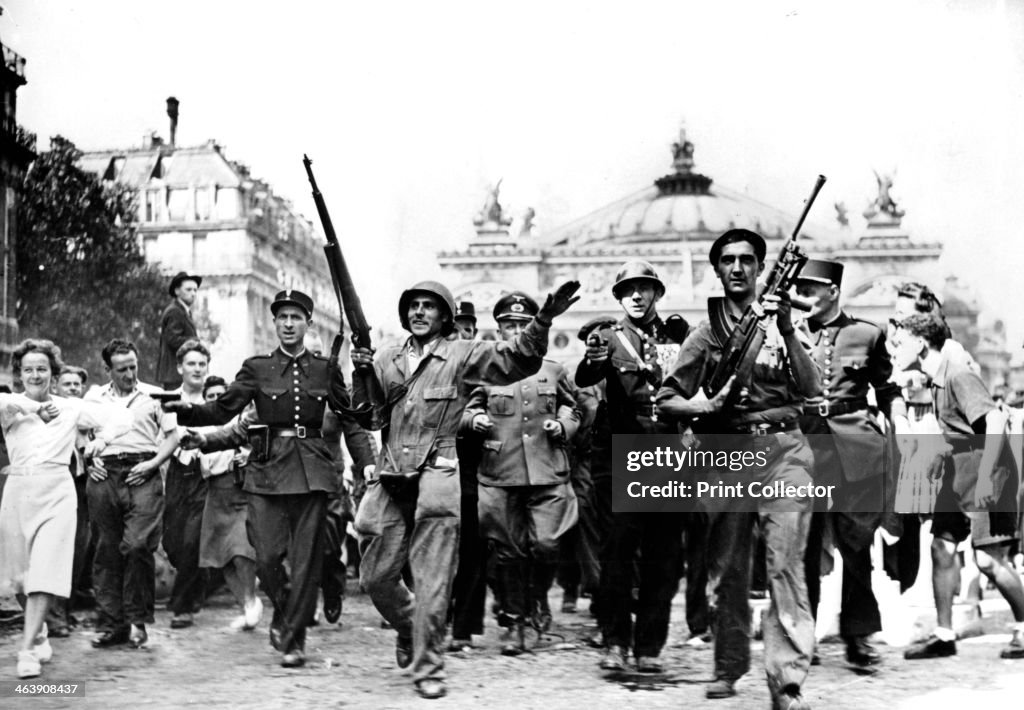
558,302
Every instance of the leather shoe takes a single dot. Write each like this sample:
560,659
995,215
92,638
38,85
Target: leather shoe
720,688
403,653
138,637
431,689
111,637
932,647
332,608
614,659
182,621
648,664
791,700
293,659
861,653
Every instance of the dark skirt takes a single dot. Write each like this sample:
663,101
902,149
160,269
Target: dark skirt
224,536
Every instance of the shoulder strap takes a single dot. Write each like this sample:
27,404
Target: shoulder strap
718,316
630,349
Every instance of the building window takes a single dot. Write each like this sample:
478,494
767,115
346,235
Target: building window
202,204
152,206
178,204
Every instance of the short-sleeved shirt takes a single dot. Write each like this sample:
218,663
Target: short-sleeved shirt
150,423
961,399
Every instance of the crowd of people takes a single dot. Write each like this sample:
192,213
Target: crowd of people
493,470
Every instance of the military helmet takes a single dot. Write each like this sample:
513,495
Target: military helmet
637,271
434,289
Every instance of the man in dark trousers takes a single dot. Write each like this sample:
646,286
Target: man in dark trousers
469,590
764,419
631,358
410,513
850,449
176,326
291,470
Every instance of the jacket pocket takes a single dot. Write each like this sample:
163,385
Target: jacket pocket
501,401
548,396
435,401
854,362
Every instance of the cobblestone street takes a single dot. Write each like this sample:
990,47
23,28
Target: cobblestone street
352,666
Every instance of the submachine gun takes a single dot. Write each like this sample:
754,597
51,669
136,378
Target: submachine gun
740,350
344,290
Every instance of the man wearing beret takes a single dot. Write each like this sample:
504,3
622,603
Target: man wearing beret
291,471
631,358
176,327
850,450
526,502
764,418
410,513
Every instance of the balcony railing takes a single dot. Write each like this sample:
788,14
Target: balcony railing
13,61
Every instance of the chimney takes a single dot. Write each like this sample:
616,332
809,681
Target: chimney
172,112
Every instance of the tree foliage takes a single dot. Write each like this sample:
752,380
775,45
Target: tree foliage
82,276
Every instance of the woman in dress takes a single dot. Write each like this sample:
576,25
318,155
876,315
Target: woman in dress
38,513
224,541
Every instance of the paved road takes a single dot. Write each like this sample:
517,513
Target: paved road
351,666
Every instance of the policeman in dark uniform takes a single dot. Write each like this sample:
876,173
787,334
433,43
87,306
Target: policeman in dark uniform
631,358
850,450
289,483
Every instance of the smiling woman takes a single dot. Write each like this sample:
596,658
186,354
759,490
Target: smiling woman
39,507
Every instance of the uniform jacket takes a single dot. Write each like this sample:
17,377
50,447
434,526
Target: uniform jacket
176,327
852,357
517,451
421,411
288,392
630,388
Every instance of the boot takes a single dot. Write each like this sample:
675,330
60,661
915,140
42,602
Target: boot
542,576
516,644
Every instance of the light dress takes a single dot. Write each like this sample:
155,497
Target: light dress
39,508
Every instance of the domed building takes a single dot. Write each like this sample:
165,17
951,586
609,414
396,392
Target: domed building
672,224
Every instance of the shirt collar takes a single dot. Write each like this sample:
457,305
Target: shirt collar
188,309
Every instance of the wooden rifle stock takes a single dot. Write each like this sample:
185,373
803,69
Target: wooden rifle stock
740,352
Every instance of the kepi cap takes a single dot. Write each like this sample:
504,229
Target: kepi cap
821,271
291,297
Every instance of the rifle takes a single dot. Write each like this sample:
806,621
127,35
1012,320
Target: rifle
344,289
744,342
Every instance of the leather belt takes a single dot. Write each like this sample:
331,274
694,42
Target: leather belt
765,428
133,456
299,432
828,409
963,446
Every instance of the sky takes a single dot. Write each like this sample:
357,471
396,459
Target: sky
412,110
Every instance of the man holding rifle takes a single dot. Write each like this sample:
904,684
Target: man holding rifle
291,470
771,391
417,392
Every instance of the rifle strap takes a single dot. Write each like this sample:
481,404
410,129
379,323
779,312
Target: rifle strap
721,323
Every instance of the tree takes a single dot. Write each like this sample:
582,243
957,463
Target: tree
82,276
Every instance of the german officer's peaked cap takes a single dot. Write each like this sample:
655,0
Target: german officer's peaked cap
515,306
291,297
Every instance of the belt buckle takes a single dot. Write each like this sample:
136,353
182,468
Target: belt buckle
300,432
759,429
823,409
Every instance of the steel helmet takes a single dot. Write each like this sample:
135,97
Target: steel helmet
637,271
434,289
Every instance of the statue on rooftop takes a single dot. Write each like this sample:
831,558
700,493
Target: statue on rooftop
884,202
492,211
